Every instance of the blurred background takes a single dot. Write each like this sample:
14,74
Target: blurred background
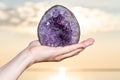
99,19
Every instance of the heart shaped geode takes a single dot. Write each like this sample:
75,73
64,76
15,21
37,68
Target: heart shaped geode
58,27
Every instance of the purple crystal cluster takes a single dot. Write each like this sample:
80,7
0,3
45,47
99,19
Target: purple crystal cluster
58,27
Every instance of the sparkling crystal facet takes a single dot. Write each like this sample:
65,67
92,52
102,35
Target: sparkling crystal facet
58,27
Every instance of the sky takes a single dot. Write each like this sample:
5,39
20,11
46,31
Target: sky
111,5
98,19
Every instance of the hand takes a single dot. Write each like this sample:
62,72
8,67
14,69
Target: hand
37,53
41,53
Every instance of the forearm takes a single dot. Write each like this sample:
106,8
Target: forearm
13,69
35,53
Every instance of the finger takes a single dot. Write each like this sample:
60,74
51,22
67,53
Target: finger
73,53
82,45
34,43
87,42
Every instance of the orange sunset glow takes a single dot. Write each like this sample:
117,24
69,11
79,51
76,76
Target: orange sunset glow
98,19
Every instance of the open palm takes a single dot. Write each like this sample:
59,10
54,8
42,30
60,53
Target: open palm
42,53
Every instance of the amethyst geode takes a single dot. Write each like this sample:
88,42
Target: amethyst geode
58,27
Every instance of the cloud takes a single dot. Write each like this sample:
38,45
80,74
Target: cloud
29,14
2,5
94,20
3,15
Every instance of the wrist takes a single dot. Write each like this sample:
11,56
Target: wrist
28,58
16,66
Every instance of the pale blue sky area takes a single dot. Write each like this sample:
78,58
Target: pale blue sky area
111,6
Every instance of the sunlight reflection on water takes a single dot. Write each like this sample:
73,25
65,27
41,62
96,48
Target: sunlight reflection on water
63,73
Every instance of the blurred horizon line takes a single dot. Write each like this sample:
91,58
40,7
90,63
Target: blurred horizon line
77,70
